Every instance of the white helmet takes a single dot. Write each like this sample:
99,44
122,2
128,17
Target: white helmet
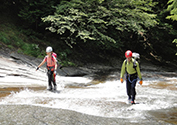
49,49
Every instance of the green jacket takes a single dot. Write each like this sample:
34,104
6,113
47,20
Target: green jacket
130,69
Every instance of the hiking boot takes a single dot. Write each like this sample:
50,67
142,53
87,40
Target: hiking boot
129,101
50,88
55,88
132,102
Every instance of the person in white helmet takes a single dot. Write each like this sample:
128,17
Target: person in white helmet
51,66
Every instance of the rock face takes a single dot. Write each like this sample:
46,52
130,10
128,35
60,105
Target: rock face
90,69
86,70
34,115
98,72
34,62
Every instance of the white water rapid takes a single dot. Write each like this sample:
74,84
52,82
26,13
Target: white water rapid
105,99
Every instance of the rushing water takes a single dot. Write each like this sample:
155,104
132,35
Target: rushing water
157,95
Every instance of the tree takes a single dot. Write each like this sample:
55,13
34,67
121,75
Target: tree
31,11
172,7
105,22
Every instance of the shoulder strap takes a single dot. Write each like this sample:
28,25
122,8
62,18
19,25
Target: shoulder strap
52,58
134,65
125,62
125,66
45,58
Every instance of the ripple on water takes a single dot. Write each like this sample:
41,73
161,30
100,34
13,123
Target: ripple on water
167,84
167,115
7,91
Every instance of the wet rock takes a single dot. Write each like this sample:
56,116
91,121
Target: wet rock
34,115
72,71
34,62
167,115
20,58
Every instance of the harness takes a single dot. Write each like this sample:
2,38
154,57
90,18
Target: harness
131,76
50,67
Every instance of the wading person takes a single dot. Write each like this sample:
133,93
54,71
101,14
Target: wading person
51,67
130,67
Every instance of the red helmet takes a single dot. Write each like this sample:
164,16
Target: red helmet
128,54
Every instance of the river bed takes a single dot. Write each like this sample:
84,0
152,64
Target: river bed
22,86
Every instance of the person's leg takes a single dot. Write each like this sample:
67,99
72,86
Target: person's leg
133,90
49,80
128,86
54,80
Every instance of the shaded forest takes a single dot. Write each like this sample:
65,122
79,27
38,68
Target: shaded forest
91,30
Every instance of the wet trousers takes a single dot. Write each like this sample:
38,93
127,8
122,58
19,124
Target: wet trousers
130,85
51,78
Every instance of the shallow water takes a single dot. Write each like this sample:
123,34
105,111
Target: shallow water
106,98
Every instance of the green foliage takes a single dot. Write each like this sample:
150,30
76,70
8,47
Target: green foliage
175,41
29,49
91,27
157,41
172,7
84,20
15,40
3,38
31,11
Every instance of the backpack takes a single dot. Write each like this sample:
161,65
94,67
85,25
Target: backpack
54,55
136,57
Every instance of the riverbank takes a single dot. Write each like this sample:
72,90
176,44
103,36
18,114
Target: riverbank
89,95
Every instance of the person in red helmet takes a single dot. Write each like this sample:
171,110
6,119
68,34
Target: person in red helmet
130,67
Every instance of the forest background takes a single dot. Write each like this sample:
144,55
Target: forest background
91,30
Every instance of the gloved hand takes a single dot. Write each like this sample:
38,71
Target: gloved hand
140,82
121,80
37,68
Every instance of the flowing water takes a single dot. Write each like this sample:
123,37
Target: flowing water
156,98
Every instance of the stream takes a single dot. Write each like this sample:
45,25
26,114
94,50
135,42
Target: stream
21,87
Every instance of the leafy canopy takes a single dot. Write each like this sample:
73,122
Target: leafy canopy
92,20
31,11
172,7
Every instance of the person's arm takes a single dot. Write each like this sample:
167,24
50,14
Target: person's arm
138,71
42,63
55,64
122,70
